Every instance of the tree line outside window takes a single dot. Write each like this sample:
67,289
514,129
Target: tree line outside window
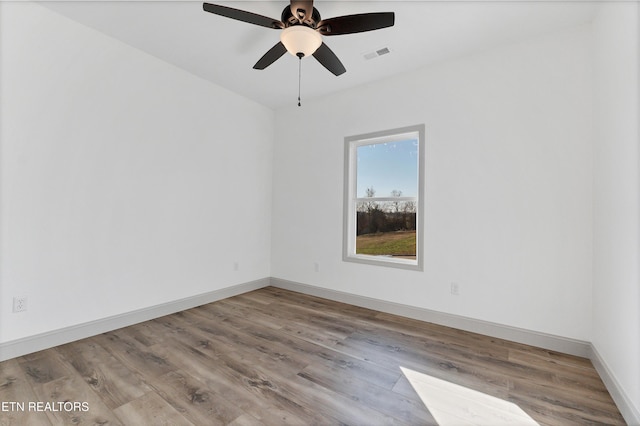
374,216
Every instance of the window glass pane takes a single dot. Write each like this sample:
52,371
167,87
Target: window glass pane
387,169
386,229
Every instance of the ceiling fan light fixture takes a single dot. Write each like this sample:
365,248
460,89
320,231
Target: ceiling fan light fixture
300,39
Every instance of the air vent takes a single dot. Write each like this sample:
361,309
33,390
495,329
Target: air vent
376,53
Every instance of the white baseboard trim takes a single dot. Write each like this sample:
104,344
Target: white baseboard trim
629,411
50,339
514,334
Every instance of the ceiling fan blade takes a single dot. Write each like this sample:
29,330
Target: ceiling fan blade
350,24
271,56
241,15
301,9
329,60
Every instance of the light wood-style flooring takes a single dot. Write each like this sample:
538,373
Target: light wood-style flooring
275,357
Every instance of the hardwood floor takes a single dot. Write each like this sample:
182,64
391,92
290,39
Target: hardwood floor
276,357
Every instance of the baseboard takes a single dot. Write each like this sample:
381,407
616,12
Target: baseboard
50,339
629,411
514,334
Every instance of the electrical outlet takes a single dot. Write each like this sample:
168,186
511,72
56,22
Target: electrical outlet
455,289
20,304
236,266
316,266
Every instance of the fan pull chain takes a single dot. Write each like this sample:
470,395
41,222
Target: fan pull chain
300,55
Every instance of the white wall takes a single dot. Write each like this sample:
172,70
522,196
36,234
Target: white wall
616,296
508,185
126,182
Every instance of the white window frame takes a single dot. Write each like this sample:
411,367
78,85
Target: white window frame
351,144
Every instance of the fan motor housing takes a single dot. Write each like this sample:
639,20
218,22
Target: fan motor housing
289,19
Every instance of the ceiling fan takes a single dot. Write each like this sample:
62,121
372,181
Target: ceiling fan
302,28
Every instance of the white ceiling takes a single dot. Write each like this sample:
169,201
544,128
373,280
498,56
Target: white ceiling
223,51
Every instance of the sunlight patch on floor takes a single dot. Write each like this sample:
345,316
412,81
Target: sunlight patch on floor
452,404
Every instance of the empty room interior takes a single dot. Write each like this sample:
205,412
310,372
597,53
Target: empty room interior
181,242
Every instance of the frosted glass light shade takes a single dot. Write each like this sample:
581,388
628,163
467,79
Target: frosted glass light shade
300,39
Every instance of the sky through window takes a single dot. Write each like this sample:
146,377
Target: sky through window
387,167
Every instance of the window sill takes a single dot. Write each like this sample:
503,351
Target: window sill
388,261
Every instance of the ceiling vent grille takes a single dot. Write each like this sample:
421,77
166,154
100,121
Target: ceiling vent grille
376,53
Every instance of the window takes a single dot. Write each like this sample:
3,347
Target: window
384,175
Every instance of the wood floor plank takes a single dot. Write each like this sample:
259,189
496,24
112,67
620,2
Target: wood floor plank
263,313
320,304
134,355
106,375
561,403
194,400
344,410
335,325
581,376
379,351
246,420
279,372
71,389
407,410
42,368
188,336
328,406
567,363
276,357
246,394
296,354
150,409
314,404
349,366
16,392
453,404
